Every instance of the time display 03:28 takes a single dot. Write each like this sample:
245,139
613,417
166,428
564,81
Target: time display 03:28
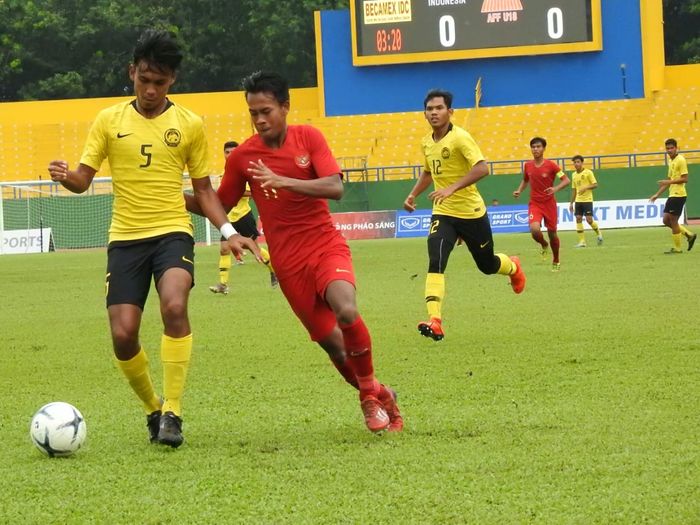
399,31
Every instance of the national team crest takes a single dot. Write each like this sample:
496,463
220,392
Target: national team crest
303,161
445,153
172,137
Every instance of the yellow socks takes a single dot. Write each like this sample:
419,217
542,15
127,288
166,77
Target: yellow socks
137,373
579,232
224,267
266,259
594,225
434,294
507,266
676,240
175,354
685,231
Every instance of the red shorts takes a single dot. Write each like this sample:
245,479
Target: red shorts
305,290
544,210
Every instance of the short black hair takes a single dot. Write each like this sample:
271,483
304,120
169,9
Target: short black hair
159,49
230,144
577,157
267,82
435,93
535,140
671,142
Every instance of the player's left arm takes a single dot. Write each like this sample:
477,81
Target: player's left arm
330,187
208,202
564,181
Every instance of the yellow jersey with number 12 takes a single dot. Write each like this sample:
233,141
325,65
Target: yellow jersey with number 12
676,169
448,160
147,158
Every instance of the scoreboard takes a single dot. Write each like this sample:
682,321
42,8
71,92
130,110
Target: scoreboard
402,31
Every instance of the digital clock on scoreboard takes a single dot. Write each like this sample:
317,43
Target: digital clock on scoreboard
400,31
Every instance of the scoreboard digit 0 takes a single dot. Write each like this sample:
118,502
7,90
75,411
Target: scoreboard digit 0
401,31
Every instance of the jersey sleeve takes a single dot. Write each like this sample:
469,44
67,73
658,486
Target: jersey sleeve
591,178
557,170
233,183
526,177
95,150
682,166
322,158
198,158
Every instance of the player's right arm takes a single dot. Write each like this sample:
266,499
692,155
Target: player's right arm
424,181
77,180
573,194
521,187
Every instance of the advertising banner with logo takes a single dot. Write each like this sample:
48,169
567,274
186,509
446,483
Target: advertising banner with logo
366,224
618,214
414,224
26,241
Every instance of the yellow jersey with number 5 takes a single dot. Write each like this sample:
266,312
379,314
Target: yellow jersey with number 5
147,158
447,161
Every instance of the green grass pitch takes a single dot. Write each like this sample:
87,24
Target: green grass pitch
575,402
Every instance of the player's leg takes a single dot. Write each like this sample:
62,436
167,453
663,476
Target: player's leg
587,212
127,286
579,231
535,218
441,241
247,227
672,212
224,268
549,215
677,211
478,236
173,270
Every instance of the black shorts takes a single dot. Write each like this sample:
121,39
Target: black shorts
674,205
583,208
246,226
476,234
132,264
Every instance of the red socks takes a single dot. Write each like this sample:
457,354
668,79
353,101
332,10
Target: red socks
358,348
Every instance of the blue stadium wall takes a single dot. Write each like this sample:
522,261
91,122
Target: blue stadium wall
570,77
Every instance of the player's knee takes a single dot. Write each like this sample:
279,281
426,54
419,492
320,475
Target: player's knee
346,314
174,310
124,339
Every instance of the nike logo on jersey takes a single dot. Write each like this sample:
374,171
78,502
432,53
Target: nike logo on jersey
187,260
122,135
484,245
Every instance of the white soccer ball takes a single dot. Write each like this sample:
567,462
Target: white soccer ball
58,429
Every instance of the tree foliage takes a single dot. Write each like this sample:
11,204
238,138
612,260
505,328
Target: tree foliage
681,36
81,48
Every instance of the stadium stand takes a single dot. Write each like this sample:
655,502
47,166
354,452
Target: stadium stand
614,127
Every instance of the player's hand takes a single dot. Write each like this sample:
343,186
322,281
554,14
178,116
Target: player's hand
238,244
58,169
571,207
410,204
440,195
653,198
549,191
516,193
264,175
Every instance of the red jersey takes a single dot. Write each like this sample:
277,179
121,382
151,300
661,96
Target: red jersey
541,178
297,227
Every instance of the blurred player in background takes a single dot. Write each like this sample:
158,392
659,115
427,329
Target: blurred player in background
541,173
583,182
454,163
291,172
149,141
677,195
243,220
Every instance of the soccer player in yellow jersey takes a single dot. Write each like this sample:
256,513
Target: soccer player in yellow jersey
149,141
454,163
677,178
583,182
243,220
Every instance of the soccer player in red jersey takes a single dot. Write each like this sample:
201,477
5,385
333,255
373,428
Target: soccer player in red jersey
541,173
291,171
